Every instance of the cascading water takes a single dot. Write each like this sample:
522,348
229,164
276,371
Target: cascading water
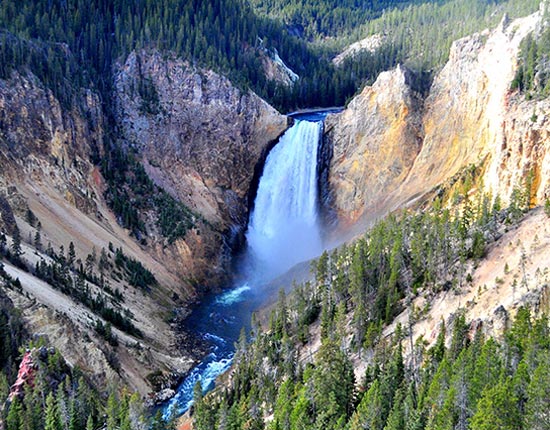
283,230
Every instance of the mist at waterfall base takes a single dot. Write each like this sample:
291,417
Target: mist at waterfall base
283,230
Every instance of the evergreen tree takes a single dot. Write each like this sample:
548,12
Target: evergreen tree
396,419
38,240
460,335
71,256
300,417
112,411
15,248
90,423
369,415
203,418
497,409
52,416
537,415
14,418
333,381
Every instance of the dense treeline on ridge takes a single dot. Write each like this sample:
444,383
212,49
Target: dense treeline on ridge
226,35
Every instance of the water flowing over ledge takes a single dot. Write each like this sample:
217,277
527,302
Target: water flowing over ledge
284,228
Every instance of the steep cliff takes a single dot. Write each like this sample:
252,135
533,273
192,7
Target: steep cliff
470,116
375,141
41,140
199,138
202,138
52,196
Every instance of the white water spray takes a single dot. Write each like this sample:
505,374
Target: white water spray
283,228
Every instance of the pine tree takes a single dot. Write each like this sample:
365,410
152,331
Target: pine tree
301,415
538,406
487,369
103,264
15,248
437,392
3,242
34,408
369,413
38,240
112,411
14,418
124,414
283,406
52,418
71,256
396,418
459,338
90,423
62,408
438,350
392,378
203,418
497,409
333,376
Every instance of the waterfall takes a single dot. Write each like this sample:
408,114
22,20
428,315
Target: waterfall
283,228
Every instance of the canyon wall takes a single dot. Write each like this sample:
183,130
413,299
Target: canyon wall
198,137
391,148
375,141
202,138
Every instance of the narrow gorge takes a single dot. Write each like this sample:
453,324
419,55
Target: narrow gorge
283,230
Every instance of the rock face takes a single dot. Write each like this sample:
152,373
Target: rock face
524,149
199,138
368,44
45,152
470,116
375,141
25,376
275,69
203,137
41,139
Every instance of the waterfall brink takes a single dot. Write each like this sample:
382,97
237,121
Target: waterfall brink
283,228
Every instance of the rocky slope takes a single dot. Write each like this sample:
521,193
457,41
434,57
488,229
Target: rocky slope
368,44
375,142
199,138
470,116
202,138
45,150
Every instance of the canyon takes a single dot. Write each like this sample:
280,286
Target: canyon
204,141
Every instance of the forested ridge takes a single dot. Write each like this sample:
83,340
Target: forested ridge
317,19
533,74
226,35
466,380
